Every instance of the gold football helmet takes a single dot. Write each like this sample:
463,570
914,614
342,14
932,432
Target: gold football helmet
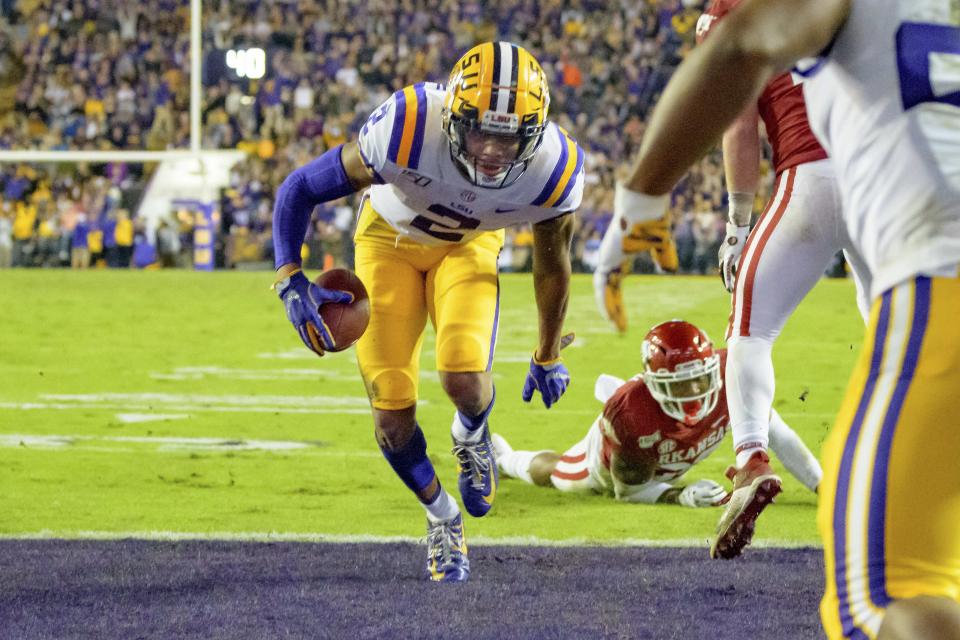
495,113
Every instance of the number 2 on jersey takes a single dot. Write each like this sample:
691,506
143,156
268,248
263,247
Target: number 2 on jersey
928,59
444,226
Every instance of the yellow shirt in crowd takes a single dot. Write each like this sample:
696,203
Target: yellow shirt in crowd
24,218
123,233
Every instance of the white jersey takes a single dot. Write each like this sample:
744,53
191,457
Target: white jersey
422,194
886,105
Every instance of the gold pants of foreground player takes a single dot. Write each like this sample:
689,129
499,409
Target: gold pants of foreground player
889,512
456,285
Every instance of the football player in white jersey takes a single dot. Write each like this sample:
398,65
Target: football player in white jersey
447,171
886,106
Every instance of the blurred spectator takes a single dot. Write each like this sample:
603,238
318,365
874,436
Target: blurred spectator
24,221
168,244
123,234
79,248
6,237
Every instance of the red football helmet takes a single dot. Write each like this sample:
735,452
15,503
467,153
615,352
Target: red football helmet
681,370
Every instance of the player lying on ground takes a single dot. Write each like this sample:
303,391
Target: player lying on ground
447,171
654,428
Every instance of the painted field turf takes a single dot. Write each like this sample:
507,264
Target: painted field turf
184,402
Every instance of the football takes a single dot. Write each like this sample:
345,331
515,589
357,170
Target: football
346,322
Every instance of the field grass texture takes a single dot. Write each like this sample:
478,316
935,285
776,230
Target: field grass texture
174,403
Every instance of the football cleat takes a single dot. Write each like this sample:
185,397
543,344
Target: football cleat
447,551
754,487
478,474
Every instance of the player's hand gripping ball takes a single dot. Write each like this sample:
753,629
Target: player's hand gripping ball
346,322
329,314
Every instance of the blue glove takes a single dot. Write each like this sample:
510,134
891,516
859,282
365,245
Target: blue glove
302,300
549,378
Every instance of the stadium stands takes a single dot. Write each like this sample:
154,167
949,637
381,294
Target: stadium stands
111,75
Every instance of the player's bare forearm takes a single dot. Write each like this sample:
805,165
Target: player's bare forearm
551,281
722,76
741,156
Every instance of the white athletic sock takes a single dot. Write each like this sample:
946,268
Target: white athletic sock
461,433
750,387
794,455
443,507
744,454
516,464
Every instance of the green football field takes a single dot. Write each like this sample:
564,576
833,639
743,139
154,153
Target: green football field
172,402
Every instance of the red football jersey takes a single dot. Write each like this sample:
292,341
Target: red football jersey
781,105
636,428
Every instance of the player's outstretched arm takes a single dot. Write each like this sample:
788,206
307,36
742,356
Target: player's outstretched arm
337,173
551,283
722,76
633,482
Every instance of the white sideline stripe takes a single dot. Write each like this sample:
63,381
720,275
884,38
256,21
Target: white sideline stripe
186,398
274,536
190,408
135,418
174,444
198,373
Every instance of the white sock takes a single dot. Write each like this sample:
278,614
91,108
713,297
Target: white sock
749,388
516,464
744,454
793,454
443,507
461,433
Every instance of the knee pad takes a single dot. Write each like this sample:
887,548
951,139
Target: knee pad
391,389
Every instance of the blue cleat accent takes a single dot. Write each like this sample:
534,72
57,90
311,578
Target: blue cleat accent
447,551
478,473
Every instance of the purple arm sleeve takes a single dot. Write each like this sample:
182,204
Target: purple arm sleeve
321,180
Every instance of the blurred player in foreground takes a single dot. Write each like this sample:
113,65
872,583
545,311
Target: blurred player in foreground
883,100
447,171
770,271
654,428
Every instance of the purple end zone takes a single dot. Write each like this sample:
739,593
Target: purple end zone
143,589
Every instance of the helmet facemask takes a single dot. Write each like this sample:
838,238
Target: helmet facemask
688,393
493,152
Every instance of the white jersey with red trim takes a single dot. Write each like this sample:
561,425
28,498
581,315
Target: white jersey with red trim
890,119
421,192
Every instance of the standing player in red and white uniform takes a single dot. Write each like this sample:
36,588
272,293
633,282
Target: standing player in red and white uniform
769,270
654,428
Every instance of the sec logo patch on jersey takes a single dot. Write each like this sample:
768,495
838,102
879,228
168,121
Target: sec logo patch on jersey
667,446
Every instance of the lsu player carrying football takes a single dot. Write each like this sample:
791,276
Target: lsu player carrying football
447,171
884,103
654,428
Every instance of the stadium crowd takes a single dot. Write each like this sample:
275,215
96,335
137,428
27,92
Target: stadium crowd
104,74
